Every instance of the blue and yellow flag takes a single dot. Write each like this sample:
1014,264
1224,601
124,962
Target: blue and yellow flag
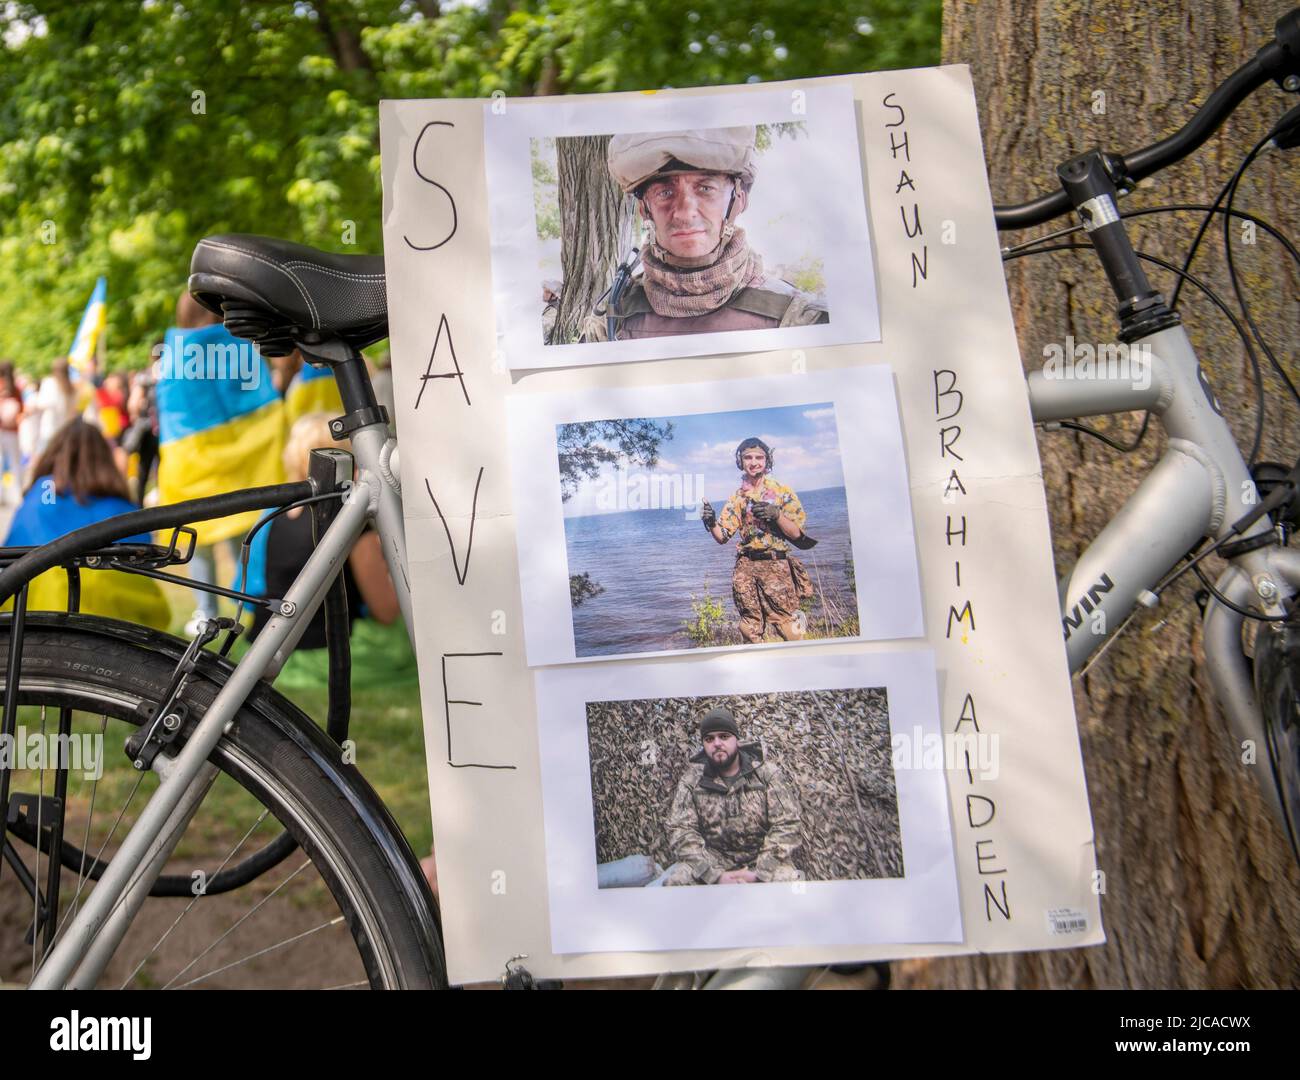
93,320
220,423
313,389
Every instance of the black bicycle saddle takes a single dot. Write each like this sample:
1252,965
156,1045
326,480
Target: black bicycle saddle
276,293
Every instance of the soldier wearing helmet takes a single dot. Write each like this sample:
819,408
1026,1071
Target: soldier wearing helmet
735,817
699,274
768,581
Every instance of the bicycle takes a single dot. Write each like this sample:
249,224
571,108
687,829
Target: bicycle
191,714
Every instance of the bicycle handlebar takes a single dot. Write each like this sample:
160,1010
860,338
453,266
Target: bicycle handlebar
1277,60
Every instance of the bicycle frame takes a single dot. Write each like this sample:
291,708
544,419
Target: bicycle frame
1199,488
87,943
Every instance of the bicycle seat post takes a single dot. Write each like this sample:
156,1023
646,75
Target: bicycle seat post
361,407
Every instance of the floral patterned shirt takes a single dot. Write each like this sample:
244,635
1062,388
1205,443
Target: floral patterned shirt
736,517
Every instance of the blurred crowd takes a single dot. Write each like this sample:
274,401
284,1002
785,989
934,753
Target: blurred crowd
203,415
32,410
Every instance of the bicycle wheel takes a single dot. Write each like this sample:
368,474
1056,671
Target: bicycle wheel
343,903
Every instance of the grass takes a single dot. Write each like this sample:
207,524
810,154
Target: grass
828,614
389,734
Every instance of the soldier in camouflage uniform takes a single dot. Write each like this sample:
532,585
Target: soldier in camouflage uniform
735,817
767,582
699,274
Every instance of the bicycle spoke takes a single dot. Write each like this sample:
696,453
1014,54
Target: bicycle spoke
90,817
247,915
116,822
194,900
36,879
262,952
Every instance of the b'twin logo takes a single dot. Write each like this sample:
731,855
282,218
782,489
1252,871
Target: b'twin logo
119,1033
1088,602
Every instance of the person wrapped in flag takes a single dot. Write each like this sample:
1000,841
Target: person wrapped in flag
220,428
312,389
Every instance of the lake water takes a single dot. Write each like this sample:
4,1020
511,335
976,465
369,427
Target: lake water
650,562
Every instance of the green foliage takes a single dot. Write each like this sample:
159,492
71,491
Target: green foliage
137,128
546,189
787,129
709,623
586,448
581,588
808,274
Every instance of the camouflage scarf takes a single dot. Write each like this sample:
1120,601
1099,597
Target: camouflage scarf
680,287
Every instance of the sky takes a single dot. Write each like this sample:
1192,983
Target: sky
702,452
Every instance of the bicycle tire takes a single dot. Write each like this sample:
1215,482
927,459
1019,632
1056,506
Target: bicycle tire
274,752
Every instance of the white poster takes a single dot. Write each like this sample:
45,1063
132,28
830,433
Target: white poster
895,433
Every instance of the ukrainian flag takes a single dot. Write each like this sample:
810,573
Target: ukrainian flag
92,324
313,389
220,423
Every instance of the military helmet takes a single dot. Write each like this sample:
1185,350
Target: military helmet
635,160
755,444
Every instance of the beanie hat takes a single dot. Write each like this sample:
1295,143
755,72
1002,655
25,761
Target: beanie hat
718,718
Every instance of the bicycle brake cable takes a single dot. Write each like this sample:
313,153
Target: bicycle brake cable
1227,213
1288,123
1191,561
1255,151
1213,296
1232,606
246,548
1241,296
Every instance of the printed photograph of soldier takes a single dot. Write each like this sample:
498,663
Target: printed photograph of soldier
744,789
768,486
659,234
768,582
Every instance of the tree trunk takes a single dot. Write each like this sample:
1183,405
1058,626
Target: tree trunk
1201,889
593,217
343,39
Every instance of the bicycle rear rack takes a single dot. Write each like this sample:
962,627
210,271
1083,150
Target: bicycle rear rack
37,819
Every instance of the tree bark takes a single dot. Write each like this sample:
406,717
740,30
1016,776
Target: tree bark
593,217
1201,889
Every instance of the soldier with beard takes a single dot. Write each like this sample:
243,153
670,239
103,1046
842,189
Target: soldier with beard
735,817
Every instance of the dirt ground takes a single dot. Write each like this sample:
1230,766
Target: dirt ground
323,959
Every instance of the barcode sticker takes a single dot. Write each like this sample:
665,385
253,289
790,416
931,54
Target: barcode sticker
1064,920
